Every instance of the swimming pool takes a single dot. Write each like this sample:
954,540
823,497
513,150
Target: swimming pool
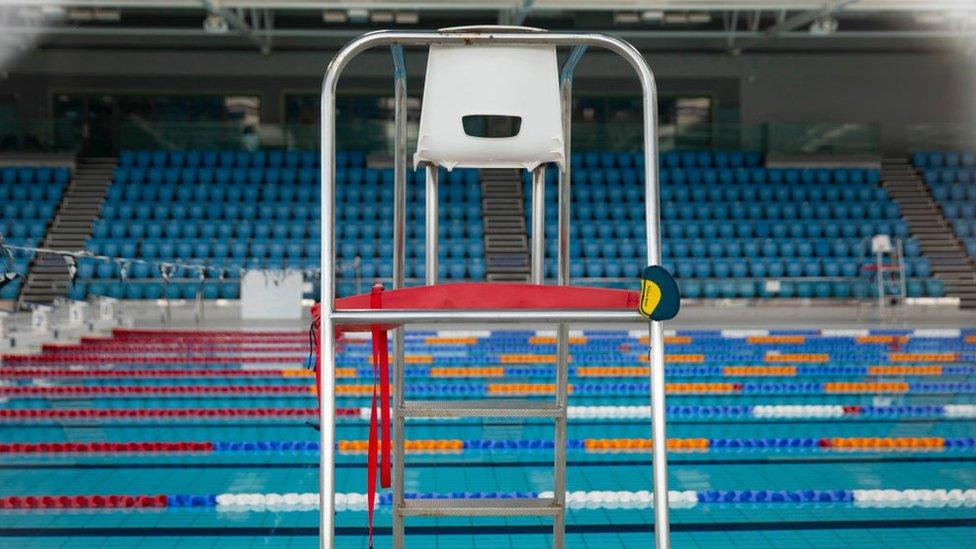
776,438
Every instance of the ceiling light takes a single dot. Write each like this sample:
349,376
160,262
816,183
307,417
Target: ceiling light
81,14
381,17
699,17
358,15
407,18
673,18
53,12
101,14
930,17
649,16
215,24
823,26
334,16
625,18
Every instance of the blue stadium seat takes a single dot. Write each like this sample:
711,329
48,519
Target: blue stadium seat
934,287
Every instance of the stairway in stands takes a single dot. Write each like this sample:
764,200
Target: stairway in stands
503,214
72,226
934,233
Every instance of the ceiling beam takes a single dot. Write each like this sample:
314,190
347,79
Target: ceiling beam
238,23
348,34
731,24
793,22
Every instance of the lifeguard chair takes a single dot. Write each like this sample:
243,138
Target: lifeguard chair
493,98
887,272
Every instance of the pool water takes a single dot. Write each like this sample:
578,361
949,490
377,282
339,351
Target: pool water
805,438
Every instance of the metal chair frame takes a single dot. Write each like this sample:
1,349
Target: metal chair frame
331,317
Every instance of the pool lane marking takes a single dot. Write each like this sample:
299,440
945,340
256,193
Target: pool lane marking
759,411
456,446
576,500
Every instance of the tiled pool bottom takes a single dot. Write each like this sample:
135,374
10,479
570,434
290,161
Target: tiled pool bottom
746,453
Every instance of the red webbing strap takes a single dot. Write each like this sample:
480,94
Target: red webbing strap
316,327
381,364
381,346
371,458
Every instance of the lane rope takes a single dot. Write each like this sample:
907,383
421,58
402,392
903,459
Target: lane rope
575,500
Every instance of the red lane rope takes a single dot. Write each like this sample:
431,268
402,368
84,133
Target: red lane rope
115,413
82,502
133,333
100,359
157,390
243,337
158,349
171,337
143,373
87,447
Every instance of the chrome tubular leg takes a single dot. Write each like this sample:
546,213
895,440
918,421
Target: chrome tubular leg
538,224
399,168
565,179
652,215
562,275
399,263
326,388
431,213
327,430
399,438
879,263
659,452
559,465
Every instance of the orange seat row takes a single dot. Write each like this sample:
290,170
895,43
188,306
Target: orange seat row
923,357
887,442
668,340
644,444
352,390
468,372
759,371
302,372
797,357
444,445
766,340
905,370
715,388
673,358
613,371
885,339
450,340
529,359
524,389
865,387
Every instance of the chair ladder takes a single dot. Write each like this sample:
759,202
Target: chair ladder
556,410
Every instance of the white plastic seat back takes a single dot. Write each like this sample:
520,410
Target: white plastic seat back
469,86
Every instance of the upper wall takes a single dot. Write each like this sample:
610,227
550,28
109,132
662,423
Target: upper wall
889,89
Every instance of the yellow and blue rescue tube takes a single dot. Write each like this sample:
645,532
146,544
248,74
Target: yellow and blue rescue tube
659,299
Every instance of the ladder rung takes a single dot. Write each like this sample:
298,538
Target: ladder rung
480,408
487,507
